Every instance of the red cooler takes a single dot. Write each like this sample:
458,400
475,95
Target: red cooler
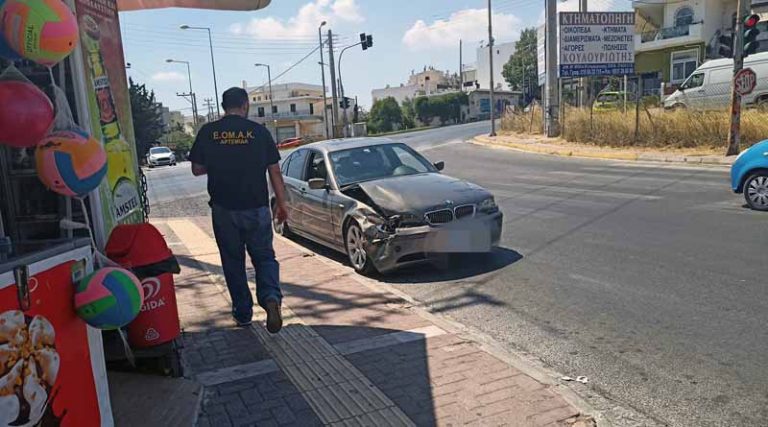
142,249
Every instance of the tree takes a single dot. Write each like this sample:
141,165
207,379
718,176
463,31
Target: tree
521,71
409,114
147,118
385,116
445,107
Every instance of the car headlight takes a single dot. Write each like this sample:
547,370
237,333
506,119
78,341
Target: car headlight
488,205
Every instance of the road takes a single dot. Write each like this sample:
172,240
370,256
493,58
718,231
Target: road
647,278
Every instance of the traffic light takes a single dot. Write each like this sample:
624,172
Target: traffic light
366,41
344,102
750,34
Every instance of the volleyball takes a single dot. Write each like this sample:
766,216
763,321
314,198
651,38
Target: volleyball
71,163
44,31
26,114
109,298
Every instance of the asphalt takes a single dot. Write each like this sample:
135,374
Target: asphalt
649,279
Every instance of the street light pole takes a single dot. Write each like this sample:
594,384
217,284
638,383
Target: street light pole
271,99
322,72
490,59
191,93
213,63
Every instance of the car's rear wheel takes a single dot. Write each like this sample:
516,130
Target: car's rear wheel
756,191
356,253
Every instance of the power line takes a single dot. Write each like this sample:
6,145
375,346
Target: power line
291,67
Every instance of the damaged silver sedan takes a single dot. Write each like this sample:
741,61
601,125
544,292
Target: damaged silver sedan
384,205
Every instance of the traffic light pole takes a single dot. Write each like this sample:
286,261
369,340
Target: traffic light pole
734,136
341,86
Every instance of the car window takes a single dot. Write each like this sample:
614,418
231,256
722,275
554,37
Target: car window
296,167
376,162
695,80
317,167
159,150
284,165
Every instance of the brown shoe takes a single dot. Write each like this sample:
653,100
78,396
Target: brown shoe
274,317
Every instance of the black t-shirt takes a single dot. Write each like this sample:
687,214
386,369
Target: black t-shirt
236,152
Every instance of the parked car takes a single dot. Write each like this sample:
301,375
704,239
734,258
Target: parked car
160,156
384,205
290,142
749,175
613,101
709,86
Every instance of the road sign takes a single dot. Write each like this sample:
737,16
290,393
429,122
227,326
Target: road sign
744,81
597,44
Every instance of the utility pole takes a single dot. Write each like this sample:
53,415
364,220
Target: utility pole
583,81
553,108
208,102
490,59
322,73
461,65
334,93
734,136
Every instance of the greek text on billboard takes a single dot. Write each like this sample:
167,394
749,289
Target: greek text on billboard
597,44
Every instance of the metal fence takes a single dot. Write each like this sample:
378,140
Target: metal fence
621,112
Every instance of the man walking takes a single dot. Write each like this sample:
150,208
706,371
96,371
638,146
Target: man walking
237,154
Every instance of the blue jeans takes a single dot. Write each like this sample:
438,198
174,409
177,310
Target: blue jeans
251,230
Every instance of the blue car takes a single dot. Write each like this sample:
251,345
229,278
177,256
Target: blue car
749,175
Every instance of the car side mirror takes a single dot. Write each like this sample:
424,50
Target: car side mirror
440,165
318,184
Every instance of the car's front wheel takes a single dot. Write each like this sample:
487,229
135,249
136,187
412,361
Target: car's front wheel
355,244
756,191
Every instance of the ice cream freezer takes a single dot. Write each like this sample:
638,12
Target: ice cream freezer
52,369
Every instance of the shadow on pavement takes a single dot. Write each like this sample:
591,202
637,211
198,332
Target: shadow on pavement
456,267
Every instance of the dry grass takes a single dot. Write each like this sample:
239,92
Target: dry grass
658,128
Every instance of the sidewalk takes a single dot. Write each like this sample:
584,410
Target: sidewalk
558,147
347,355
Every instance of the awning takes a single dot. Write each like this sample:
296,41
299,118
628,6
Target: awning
127,5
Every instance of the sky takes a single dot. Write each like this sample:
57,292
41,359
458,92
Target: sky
408,35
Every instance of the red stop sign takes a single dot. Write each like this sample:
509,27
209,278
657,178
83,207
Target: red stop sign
744,81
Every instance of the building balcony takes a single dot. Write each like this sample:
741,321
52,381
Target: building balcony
669,37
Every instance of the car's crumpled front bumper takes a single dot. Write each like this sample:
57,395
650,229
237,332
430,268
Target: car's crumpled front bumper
411,245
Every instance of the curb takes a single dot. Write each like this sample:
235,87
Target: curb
552,150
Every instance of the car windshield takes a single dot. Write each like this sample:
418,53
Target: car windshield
159,150
375,162
608,97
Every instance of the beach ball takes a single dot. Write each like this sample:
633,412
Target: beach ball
44,31
26,114
5,50
109,298
71,163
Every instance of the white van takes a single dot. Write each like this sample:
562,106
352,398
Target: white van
709,87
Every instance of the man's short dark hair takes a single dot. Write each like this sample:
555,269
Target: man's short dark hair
234,97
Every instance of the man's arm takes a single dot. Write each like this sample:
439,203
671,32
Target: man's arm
278,186
198,170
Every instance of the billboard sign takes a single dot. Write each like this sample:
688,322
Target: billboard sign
597,44
541,54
